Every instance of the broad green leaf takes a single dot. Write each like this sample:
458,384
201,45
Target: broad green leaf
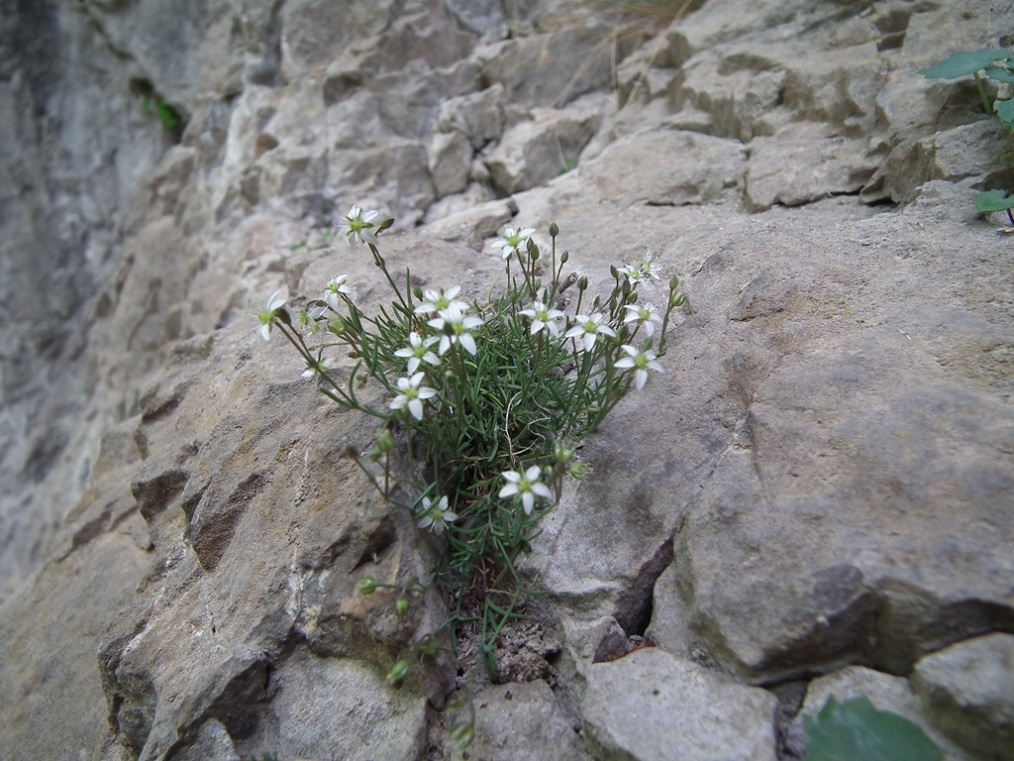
999,74
994,200
964,64
856,730
1005,110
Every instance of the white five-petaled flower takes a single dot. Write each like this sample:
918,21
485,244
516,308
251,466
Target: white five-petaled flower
412,395
436,515
418,351
336,286
318,367
512,240
358,225
642,271
454,325
643,314
267,317
437,301
589,328
641,362
527,485
543,317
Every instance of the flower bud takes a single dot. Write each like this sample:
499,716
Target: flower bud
582,283
385,224
418,293
578,470
428,645
626,287
677,298
398,673
564,257
384,442
366,586
674,283
614,272
533,250
337,326
462,735
554,230
401,607
564,453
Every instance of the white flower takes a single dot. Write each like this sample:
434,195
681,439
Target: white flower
644,314
318,367
526,485
454,324
418,351
543,317
412,395
512,240
358,225
641,271
270,313
436,515
439,300
641,361
589,327
336,286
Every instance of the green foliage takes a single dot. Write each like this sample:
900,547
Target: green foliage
856,730
484,403
997,65
163,111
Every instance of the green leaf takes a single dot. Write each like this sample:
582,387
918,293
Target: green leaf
1005,110
999,73
964,64
994,200
856,730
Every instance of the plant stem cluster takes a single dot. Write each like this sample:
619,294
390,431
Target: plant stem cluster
489,399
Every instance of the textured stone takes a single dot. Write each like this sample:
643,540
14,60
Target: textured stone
967,690
650,706
523,722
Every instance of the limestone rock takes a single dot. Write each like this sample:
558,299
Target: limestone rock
967,689
650,706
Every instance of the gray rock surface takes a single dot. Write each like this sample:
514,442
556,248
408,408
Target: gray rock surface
814,498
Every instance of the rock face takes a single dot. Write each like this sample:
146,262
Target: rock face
813,500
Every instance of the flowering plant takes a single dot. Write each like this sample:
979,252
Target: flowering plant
488,399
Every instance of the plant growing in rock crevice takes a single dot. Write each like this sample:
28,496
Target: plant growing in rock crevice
997,65
486,402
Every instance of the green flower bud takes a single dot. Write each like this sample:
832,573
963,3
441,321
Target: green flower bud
626,288
674,283
385,224
428,645
533,250
384,442
553,230
462,735
563,453
337,326
401,607
398,673
578,470
614,272
564,257
582,283
677,298
366,586
418,293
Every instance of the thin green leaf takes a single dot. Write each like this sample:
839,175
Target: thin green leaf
965,64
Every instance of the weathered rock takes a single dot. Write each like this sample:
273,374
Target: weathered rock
523,722
967,690
651,706
779,503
